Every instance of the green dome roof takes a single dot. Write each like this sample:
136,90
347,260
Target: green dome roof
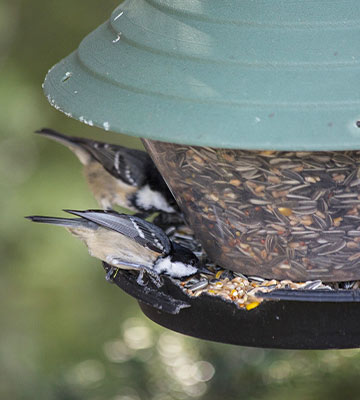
254,74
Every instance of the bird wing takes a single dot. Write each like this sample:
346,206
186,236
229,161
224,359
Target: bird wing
145,233
129,165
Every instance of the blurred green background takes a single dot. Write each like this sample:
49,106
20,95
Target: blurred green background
65,332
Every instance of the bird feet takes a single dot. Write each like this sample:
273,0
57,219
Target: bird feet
153,276
110,274
118,263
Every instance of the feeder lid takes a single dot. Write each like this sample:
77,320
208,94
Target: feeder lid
234,74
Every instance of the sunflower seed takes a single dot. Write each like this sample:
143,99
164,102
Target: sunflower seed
312,285
270,243
353,233
321,223
331,248
354,183
255,278
199,285
259,202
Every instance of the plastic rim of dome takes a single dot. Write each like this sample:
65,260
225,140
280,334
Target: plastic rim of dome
272,75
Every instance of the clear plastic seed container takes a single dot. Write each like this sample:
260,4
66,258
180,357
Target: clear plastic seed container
275,214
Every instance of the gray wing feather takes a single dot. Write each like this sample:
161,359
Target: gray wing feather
141,231
130,165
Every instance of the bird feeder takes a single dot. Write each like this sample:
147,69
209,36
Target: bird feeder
251,112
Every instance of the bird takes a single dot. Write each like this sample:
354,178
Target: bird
119,176
128,242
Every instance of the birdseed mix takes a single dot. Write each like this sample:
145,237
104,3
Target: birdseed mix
233,286
276,214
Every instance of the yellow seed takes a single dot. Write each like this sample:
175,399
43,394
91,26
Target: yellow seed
298,169
285,211
234,292
338,177
274,179
198,159
277,227
356,256
307,221
272,282
284,265
352,245
320,214
228,157
212,291
253,305
214,197
230,286
222,204
337,221
235,182
260,188
230,195
266,153
279,194
217,276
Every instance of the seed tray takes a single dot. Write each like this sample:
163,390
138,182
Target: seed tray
238,288
319,319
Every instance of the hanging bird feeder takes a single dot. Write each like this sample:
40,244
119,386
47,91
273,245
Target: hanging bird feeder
251,112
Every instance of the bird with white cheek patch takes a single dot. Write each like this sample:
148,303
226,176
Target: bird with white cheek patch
119,176
128,242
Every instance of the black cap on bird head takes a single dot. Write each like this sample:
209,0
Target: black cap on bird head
184,255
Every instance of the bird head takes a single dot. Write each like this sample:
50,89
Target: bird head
184,255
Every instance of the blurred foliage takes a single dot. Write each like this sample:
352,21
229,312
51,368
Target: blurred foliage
65,332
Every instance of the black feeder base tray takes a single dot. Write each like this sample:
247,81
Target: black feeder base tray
287,319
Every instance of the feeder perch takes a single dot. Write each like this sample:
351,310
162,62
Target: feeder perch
251,112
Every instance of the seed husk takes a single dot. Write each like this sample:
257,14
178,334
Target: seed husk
199,285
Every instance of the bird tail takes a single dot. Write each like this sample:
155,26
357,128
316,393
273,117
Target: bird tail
75,144
66,222
58,137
